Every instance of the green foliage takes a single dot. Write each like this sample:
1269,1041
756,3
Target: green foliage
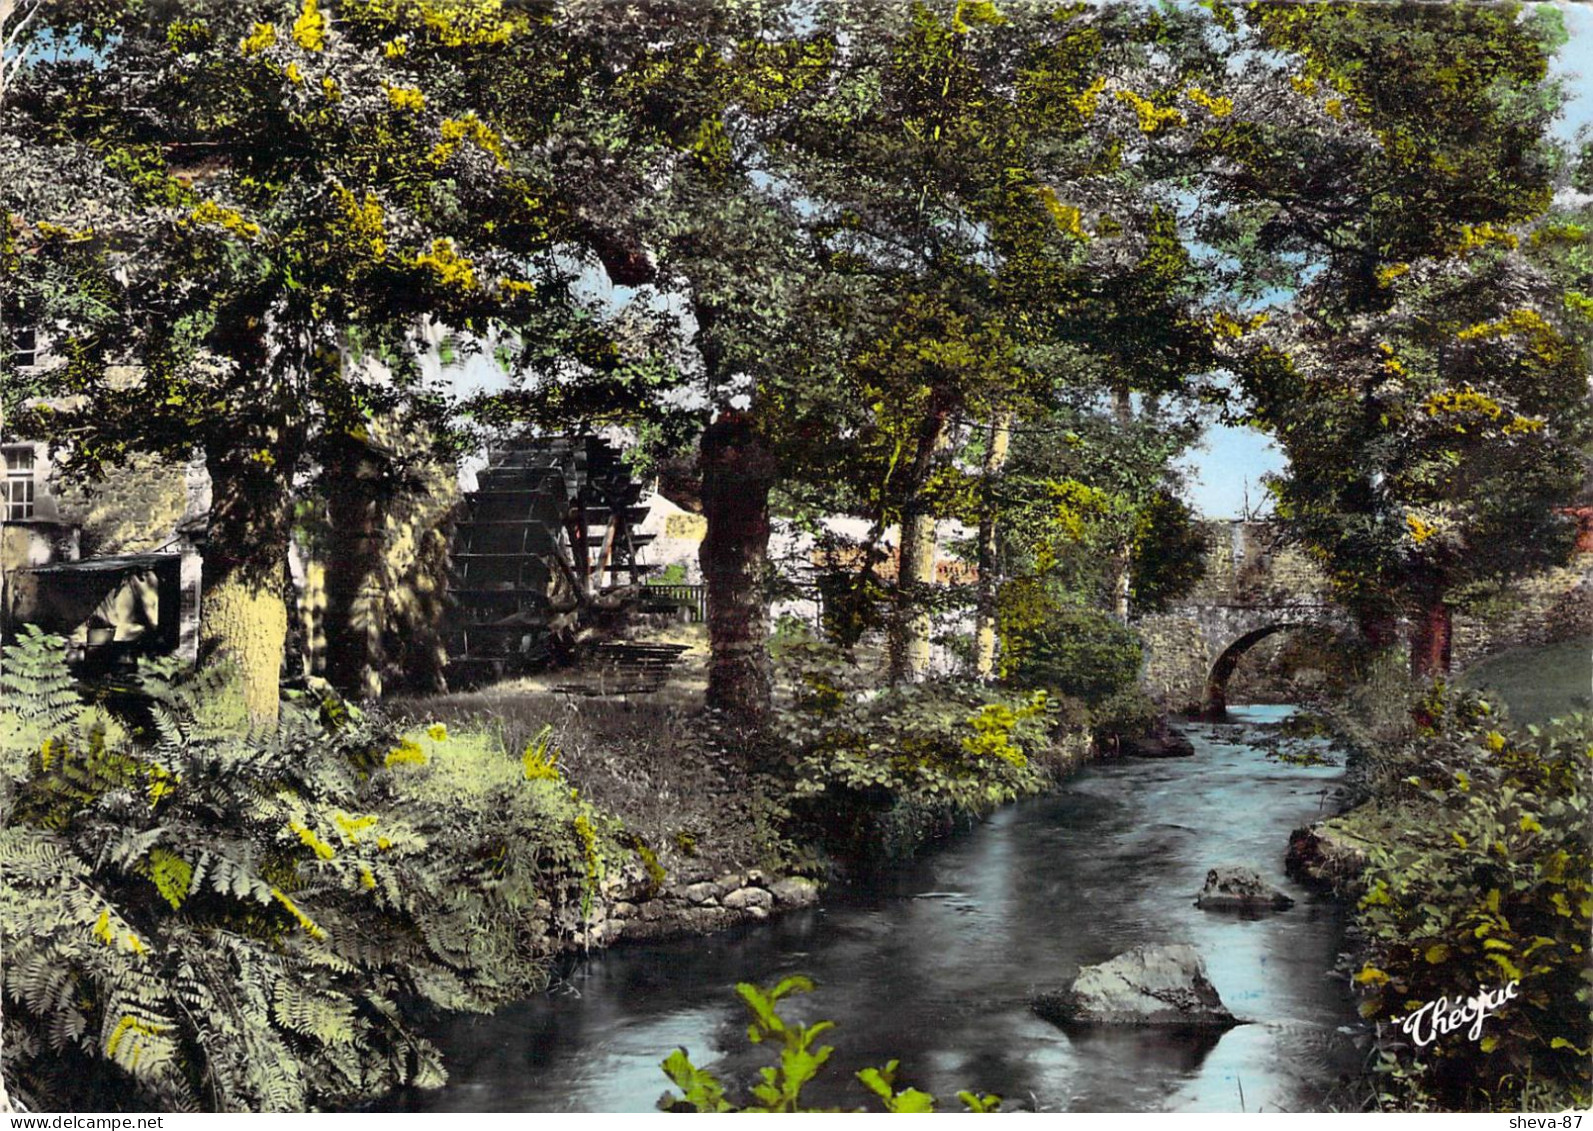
864,771
798,1063
1081,653
199,920
1478,874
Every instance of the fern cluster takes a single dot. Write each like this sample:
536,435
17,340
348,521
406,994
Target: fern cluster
195,919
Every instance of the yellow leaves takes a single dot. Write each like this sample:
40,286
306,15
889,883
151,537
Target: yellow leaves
364,220
1522,425
1067,218
452,269
310,926
161,783
309,30
105,933
1437,953
294,75
1516,322
1075,505
1303,84
1333,107
258,40
407,753
367,880
1151,116
538,759
130,1024
1489,1043
1224,325
456,23
1387,275
516,287
306,834
1495,741
351,827
172,876
1420,530
1086,102
970,13
1218,106
1371,976
405,98
469,128
211,214
437,732
329,88
396,48
1511,970
1464,400
1529,824
1474,236
57,232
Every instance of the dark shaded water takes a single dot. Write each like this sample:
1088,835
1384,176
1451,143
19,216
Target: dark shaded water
937,970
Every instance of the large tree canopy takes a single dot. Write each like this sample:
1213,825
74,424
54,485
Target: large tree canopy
1428,383
236,220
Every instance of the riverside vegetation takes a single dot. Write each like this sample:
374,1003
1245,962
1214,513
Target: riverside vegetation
1471,870
198,916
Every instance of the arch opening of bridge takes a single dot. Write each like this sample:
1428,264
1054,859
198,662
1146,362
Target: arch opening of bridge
1214,703
1254,585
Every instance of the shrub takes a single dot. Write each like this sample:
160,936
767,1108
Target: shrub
1478,875
1083,653
197,919
877,773
800,1060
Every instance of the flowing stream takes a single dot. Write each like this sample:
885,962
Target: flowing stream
935,968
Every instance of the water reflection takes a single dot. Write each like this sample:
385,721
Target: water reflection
936,966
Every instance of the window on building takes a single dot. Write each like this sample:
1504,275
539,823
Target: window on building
24,347
19,483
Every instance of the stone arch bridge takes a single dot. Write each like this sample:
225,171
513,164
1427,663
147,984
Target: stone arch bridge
1254,587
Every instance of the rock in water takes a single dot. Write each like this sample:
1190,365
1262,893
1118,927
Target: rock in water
1168,744
1149,985
1231,888
1322,855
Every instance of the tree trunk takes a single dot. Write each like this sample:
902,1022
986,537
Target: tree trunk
244,613
985,626
738,470
354,594
1122,565
908,638
1430,640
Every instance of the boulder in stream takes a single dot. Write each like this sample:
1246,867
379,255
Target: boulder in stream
1168,744
1232,888
1323,855
1163,985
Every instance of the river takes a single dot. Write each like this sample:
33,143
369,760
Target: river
936,967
